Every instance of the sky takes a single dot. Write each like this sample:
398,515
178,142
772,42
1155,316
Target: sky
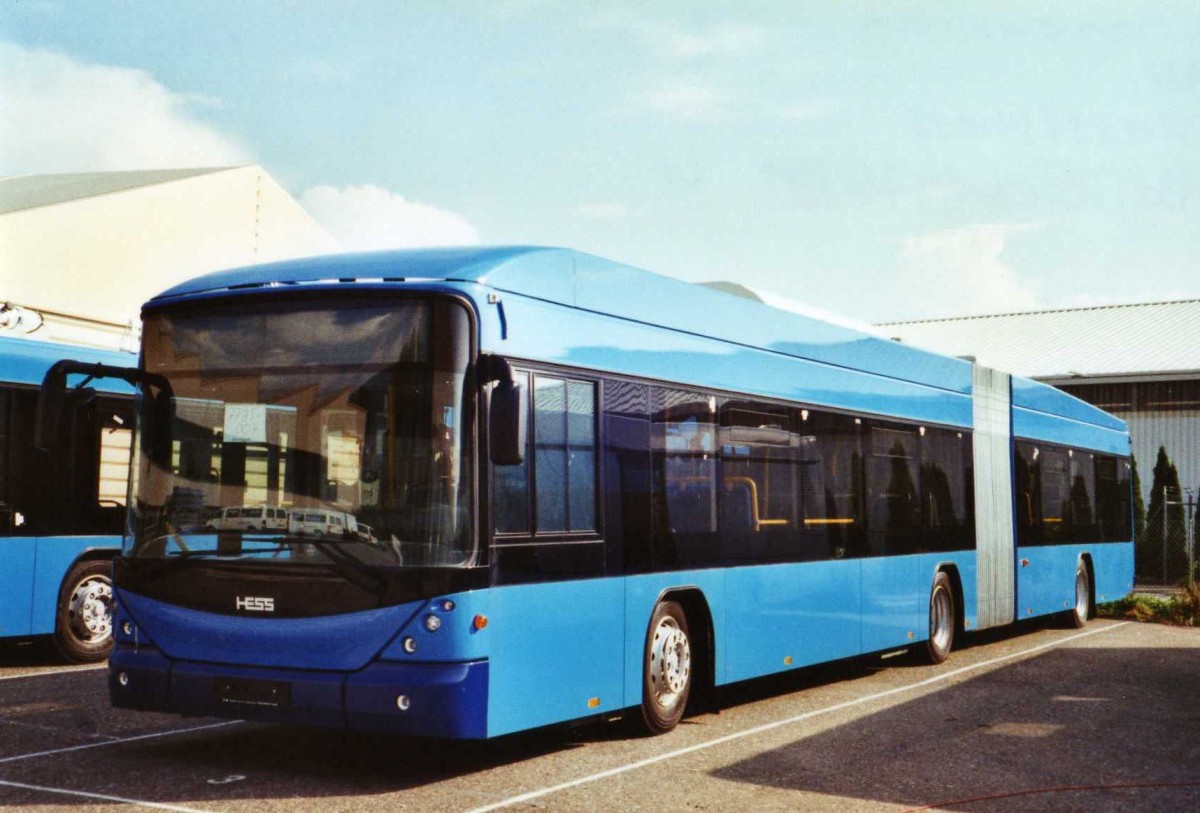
883,160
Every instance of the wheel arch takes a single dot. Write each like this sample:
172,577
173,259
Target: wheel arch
1085,558
960,611
699,614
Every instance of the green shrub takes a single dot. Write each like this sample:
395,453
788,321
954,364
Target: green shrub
1182,609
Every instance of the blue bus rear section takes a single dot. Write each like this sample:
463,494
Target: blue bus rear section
37,554
555,647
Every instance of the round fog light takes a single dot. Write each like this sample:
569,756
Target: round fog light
447,605
403,702
127,628
410,645
433,623
123,678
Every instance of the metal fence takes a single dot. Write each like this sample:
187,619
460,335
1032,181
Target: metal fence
1166,549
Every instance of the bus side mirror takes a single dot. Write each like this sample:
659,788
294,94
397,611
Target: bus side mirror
52,397
506,424
507,418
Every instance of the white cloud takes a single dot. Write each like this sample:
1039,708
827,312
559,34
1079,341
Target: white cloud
960,271
689,101
602,211
670,41
58,114
367,217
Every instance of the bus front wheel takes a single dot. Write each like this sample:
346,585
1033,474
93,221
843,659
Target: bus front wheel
941,619
667,670
83,625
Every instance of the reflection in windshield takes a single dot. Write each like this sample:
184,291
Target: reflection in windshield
295,428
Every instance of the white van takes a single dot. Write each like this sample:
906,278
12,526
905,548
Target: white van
249,518
319,522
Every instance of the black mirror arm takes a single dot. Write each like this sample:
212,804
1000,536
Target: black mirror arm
52,394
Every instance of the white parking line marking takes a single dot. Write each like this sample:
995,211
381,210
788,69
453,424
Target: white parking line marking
64,670
120,741
808,715
102,796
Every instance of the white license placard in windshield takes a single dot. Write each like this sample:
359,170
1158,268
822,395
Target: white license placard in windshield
245,423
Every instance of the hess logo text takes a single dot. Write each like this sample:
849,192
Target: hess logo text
256,604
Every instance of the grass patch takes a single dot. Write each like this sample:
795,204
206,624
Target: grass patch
1181,610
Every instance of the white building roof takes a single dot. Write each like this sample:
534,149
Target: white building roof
21,192
1152,340
85,250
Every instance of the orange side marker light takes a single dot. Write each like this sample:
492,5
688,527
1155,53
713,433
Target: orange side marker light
480,622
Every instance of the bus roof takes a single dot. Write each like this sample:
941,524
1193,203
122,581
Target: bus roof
25,361
577,280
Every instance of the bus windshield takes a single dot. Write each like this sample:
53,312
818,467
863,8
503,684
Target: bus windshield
305,432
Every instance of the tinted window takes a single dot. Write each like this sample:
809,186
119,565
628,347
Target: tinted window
893,505
1084,525
831,492
945,490
564,454
684,444
560,458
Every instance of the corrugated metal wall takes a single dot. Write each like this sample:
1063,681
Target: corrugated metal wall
1163,414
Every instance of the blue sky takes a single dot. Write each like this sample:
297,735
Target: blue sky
884,160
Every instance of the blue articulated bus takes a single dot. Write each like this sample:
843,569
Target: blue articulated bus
61,513
535,486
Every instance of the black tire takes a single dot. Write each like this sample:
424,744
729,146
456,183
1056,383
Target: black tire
942,620
1081,611
666,668
83,628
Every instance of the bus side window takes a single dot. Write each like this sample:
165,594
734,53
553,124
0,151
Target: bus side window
830,470
894,507
684,457
556,482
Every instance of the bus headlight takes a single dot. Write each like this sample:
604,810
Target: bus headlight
433,623
410,644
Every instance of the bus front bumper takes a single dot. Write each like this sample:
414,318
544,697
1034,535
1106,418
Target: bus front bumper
418,699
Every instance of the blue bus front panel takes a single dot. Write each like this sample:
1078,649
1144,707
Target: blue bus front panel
563,658
339,671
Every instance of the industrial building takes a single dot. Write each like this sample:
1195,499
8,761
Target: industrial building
81,252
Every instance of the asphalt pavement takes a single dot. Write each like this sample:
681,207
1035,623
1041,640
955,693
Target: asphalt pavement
1035,718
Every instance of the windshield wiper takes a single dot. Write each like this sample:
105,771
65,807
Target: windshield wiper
354,569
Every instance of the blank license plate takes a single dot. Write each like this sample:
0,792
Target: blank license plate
249,692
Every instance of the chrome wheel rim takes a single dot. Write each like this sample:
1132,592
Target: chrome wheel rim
670,662
941,616
1081,595
90,610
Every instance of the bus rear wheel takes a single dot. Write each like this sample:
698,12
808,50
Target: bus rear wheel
667,669
1083,598
83,628
941,619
